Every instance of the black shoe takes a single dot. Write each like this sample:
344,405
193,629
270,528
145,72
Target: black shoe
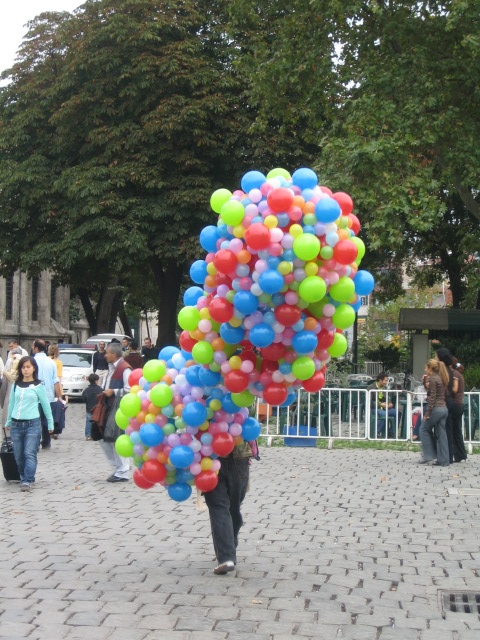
439,464
116,479
425,461
46,446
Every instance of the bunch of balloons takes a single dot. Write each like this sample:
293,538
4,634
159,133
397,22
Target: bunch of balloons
278,286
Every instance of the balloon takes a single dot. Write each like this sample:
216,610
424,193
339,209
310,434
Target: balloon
181,456
343,290
140,480
154,471
345,202
304,342
287,314
344,316
312,289
121,419
275,394
315,383
280,199
219,198
305,178
208,239
303,368
257,236
134,377
306,246
339,346
251,429
225,260
151,434
188,319
130,405
345,251
124,446
245,302
206,481
198,271
252,180
223,444
192,295
154,370
221,310
202,352
364,283
271,281
179,491
161,395
194,414
236,381
327,210
232,212
261,335
243,399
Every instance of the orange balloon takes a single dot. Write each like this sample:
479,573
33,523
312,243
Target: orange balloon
210,282
309,324
218,344
343,234
140,417
162,457
154,410
178,409
244,256
167,379
197,334
309,207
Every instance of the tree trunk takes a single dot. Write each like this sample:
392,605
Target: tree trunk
168,277
88,309
107,310
122,316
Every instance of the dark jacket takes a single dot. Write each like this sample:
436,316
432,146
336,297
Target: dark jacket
90,395
99,361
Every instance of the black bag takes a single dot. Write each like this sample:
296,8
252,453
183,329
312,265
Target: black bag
111,430
9,464
99,417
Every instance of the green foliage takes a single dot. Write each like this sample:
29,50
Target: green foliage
472,376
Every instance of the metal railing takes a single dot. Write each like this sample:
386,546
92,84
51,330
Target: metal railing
355,414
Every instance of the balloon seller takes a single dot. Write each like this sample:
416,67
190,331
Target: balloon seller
279,284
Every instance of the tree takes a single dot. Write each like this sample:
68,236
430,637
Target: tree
117,125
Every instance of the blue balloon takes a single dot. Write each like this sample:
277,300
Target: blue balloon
208,238
251,429
198,271
151,434
262,335
181,456
184,476
252,180
291,397
364,283
245,302
304,342
192,375
191,295
208,378
228,404
327,210
283,219
305,178
271,281
167,352
179,491
194,414
231,335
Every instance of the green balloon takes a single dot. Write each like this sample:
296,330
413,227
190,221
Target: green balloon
202,352
339,346
161,395
316,308
326,252
343,290
154,370
121,419
279,173
232,212
124,446
306,246
168,429
361,248
344,316
312,289
243,399
188,318
130,405
218,199
303,368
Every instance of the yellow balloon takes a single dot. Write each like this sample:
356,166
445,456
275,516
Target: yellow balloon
284,268
311,268
238,231
296,230
206,464
271,222
211,269
235,362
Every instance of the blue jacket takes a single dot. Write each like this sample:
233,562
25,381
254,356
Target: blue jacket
24,400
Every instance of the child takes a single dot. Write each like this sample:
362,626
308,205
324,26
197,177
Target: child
90,396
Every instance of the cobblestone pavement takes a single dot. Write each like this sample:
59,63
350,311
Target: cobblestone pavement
336,544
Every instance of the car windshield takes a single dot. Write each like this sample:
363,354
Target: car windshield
81,360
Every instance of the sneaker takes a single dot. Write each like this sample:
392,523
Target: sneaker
88,438
24,486
224,567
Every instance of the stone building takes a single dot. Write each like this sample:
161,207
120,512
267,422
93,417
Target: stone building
36,308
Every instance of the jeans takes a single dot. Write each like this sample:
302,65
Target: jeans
26,435
224,504
88,424
435,447
381,413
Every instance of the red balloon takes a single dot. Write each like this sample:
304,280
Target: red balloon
287,314
186,342
236,381
154,471
140,480
225,261
223,444
275,393
315,383
221,310
325,339
206,480
275,351
345,202
257,236
345,251
280,199
134,377
356,226
248,355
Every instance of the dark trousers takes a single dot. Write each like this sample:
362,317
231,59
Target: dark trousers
459,451
224,504
46,437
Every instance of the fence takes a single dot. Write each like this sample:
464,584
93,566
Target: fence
354,414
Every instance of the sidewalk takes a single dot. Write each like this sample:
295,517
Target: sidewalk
336,544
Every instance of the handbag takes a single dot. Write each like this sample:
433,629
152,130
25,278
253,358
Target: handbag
111,430
99,417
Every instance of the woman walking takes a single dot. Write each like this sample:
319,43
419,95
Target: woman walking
24,419
435,446
458,392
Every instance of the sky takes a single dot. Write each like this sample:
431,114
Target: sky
14,14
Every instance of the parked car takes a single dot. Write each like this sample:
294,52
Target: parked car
106,337
77,366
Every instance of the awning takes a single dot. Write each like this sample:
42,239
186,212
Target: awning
440,321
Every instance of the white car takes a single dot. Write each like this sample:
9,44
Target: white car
106,337
77,366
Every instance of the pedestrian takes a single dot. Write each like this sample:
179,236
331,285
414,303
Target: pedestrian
458,408
133,358
149,352
384,404
116,384
126,345
224,504
28,394
47,373
89,396
100,364
435,416
9,376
